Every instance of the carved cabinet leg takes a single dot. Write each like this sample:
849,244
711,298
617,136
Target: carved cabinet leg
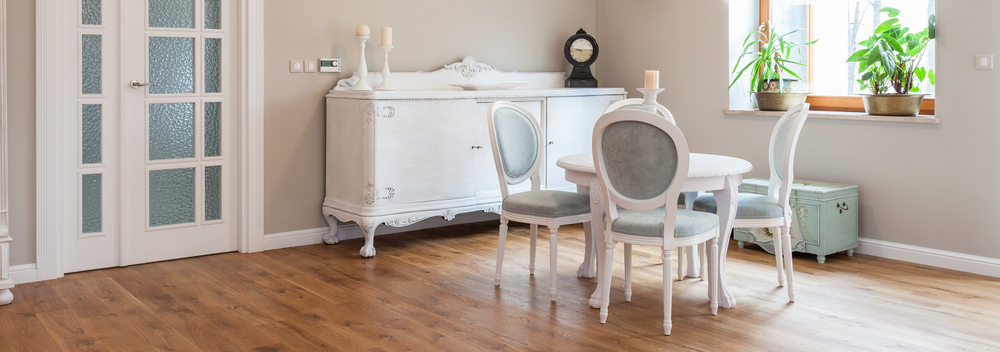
368,225
331,238
6,297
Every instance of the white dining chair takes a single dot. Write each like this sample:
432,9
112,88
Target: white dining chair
516,139
641,161
637,104
772,211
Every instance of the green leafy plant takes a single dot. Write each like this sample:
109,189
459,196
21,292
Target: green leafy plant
891,57
771,61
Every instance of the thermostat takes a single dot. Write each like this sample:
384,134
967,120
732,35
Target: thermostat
329,65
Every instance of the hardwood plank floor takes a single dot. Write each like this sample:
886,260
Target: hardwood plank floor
433,290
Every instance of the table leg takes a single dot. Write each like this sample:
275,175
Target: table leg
587,267
597,233
726,200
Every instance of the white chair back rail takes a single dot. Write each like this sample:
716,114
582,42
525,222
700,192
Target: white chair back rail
533,172
636,104
781,154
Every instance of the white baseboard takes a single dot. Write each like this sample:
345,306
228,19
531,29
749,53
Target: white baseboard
24,273
929,256
347,231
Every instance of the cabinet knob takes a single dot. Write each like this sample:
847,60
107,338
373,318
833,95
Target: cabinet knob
551,143
476,147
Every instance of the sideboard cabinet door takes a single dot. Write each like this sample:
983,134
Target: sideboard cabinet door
424,151
569,128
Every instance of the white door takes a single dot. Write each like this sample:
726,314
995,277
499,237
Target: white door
167,184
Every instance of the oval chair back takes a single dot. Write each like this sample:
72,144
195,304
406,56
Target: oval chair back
641,160
516,140
636,104
781,154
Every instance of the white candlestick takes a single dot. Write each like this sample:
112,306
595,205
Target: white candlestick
650,94
386,36
362,66
385,85
652,79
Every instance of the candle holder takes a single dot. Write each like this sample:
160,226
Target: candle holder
362,67
385,85
650,94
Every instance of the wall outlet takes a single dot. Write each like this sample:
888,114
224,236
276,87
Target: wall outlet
310,65
984,62
294,66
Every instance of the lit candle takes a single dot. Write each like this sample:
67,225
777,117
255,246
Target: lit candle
386,36
362,30
652,79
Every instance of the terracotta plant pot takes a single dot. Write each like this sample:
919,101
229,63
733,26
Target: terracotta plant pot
778,101
892,104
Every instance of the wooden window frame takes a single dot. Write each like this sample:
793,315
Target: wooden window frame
849,103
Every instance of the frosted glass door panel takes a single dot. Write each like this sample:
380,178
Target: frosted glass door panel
213,129
91,52
213,193
171,13
171,131
171,197
91,12
92,203
213,65
213,14
91,133
171,65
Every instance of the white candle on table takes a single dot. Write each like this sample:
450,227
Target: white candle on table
363,31
386,36
652,79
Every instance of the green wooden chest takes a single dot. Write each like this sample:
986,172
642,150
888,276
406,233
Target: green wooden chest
825,219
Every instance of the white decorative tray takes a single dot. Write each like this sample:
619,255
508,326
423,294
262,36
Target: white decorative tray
490,86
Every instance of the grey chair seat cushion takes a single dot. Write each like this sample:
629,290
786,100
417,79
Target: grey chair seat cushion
748,206
650,223
549,204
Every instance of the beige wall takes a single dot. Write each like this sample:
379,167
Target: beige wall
932,186
513,35
21,122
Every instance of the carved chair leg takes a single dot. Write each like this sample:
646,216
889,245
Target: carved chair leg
713,272
702,258
331,237
787,245
609,266
668,286
500,247
778,257
534,240
553,247
628,272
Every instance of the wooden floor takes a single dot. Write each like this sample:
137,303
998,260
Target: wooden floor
433,290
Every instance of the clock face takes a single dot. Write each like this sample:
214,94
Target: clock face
581,50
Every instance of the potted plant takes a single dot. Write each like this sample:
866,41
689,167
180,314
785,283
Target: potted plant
889,63
770,78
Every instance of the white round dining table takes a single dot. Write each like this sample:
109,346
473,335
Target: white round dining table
721,175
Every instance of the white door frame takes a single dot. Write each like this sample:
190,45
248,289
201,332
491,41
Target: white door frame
5,281
54,100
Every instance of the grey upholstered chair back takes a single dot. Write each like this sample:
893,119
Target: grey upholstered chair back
641,160
781,152
636,104
516,139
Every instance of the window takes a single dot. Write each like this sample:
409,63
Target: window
840,25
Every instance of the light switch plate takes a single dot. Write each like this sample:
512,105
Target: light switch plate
294,66
309,65
984,62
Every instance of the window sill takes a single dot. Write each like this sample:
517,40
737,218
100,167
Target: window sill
842,115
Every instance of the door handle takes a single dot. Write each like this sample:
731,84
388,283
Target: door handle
135,84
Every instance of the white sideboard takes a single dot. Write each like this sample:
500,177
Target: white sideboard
399,157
